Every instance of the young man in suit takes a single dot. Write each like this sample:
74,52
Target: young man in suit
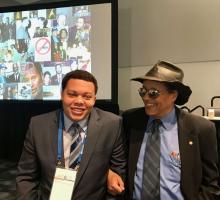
101,144
15,77
57,78
181,162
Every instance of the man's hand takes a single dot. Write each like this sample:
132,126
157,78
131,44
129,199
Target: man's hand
114,183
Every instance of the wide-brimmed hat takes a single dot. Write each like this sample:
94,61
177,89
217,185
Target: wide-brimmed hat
171,75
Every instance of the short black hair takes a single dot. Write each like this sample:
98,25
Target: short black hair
79,74
47,72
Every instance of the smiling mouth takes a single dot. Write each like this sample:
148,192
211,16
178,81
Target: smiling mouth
150,104
77,110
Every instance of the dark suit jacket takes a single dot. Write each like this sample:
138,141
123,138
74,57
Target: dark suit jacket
11,78
104,149
199,172
54,79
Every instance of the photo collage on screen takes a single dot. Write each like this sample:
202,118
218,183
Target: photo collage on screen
38,47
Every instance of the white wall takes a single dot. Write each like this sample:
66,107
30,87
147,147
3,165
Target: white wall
186,33
181,31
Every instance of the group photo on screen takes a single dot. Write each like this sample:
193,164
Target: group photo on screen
38,47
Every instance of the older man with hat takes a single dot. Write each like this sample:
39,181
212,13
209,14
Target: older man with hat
176,159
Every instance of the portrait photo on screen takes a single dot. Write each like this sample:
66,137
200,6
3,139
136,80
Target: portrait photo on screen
38,47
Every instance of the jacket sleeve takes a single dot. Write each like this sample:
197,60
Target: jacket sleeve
118,159
209,156
27,176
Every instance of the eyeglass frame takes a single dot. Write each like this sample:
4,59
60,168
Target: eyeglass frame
152,93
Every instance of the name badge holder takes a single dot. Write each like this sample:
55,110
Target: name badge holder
64,179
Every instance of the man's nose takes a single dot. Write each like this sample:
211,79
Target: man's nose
79,99
146,97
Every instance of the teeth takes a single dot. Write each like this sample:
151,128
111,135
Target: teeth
78,110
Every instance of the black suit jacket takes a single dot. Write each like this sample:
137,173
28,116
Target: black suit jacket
11,78
104,149
54,79
199,172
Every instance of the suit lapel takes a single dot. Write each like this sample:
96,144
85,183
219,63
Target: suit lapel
134,151
92,136
188,144
135,140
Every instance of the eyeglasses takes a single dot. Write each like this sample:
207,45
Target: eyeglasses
152,93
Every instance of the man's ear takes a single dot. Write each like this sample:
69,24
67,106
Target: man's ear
175,95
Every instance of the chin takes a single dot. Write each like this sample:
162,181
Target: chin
76,117
153,114
149,111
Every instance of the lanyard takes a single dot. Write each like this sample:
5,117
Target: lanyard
60,143
60,138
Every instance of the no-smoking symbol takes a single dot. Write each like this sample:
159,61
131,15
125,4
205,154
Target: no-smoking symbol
42,46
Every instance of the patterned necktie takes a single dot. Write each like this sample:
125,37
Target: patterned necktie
151,167
76,145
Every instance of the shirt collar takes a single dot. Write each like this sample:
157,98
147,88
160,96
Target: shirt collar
168,121
68,122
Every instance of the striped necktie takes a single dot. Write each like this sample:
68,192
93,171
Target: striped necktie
151,167
76,145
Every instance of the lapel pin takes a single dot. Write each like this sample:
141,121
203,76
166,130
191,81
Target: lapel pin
190,142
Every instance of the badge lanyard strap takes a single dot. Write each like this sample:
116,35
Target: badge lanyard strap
60,138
